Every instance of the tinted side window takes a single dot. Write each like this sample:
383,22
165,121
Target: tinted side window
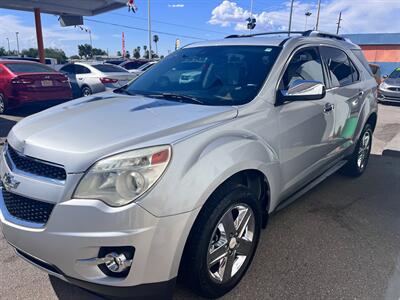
81,70
341,70
362,59
305,65
68,69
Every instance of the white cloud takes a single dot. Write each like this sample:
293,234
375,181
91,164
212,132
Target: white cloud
176,5
359,16
55,36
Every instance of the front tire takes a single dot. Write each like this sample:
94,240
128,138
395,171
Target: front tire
3,105
222,242
359,160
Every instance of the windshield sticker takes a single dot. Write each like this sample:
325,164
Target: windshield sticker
268,50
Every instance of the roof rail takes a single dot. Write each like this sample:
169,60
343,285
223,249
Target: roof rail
309,33
314,33
263,33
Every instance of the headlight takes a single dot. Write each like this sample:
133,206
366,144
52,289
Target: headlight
122,178
383,86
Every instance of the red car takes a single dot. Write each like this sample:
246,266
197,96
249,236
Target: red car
24,82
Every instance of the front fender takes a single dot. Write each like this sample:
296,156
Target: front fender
193,176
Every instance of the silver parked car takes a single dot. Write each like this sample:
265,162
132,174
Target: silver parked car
389,90
91,78
123,192
142,68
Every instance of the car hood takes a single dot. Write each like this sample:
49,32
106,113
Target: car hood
82,131
393,82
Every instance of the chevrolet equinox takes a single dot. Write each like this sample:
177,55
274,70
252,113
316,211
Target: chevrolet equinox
176,172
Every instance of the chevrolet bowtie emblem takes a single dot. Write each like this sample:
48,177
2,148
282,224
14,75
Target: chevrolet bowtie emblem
9,182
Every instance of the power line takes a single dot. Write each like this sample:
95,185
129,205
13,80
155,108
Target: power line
144,29
169,23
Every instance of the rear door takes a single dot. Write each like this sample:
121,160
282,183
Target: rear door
346,93
305,127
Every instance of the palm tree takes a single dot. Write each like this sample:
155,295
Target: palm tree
145,51
155,40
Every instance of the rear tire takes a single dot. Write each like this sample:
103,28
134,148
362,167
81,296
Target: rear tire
359,159
86,91
222,242
3,104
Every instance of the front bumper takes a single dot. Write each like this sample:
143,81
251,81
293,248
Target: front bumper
388,96
78,228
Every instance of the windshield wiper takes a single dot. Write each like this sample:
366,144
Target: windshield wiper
123,90
179,97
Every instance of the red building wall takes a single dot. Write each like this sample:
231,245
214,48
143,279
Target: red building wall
382,53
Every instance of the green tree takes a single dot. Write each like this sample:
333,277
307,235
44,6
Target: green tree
119,53
97,51
156,39
3,51
136,53
85,50
127,54
58,54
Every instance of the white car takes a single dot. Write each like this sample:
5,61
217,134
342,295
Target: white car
142,68
90,78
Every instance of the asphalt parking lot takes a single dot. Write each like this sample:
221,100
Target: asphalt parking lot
339,241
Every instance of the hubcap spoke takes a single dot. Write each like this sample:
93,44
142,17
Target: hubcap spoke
228,223
217,255
243,222
229,261
244,247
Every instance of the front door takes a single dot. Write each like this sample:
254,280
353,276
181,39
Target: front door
306,127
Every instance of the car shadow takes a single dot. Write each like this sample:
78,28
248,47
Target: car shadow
333,242
5,126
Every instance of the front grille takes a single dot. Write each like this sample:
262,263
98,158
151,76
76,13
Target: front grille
36,167
27,209
394,89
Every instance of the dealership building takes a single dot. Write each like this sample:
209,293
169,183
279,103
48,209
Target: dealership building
380,48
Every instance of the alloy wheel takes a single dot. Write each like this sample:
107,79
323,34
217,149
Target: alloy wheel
231,243
364,150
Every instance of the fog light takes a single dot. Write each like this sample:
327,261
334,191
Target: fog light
112,261
117,263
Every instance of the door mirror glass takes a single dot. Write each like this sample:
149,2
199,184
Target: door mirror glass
301,90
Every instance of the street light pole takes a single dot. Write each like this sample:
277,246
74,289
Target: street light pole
149,26
290,18
318,15
339,22
16,34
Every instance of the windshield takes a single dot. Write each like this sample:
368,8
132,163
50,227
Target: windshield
109,68
28,68
221,75
395,74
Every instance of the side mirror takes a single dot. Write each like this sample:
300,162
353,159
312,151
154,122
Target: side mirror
302,90
386,76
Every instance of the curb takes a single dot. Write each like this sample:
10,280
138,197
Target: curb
393,147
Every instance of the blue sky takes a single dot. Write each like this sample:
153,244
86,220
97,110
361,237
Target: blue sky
198,19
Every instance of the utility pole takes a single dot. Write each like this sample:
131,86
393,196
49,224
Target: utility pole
318,15
16,34
8,41
307,14
338,23
290,18
149,25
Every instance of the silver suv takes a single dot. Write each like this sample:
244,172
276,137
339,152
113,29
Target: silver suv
122,191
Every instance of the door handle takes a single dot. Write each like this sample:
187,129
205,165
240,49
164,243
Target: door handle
328,107
361,93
